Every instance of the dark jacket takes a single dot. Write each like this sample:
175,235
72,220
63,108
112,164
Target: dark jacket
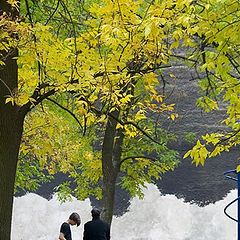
96,230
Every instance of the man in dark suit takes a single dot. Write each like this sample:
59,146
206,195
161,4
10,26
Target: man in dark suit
96,229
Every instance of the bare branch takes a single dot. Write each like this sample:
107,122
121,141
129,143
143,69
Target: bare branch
65,109
54,11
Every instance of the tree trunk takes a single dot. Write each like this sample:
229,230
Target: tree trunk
11,126
108,197
10,135
109,170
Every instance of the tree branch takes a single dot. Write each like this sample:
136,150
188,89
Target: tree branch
230,136
54,11
65,109
136,126
99,113
31,104
134,157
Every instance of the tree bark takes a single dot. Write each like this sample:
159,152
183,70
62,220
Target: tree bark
11,127
108,197
10,136
109,170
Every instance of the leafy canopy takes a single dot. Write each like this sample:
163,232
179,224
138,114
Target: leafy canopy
102,60
217,39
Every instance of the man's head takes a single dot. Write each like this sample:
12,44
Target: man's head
95,212
74,219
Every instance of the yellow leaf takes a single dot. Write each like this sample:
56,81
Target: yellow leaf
13,3
140,115
173,116
119,126
187,154
10,99
148,30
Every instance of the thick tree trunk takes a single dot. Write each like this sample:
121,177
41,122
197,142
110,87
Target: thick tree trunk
11,125
10,132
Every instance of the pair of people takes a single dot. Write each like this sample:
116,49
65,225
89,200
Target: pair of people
93,230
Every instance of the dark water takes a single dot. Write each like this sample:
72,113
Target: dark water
201,185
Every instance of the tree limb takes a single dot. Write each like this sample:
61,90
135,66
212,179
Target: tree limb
134,157
65,109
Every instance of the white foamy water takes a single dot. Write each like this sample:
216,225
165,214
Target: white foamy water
155,217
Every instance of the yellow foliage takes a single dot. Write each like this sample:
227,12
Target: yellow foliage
198,153
112,60
13,3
